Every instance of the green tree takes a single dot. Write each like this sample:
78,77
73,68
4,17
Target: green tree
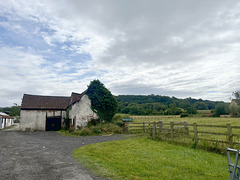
191,110
201,106
103,103
173,110
221,109
15,110
236,94
234,109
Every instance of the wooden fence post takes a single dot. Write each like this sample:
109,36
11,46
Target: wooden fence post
144,130
126,126
149,129
230,136
195,133
186,128
171,130
154,129
160,124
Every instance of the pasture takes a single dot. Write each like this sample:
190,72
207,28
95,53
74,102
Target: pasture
198,120
212,133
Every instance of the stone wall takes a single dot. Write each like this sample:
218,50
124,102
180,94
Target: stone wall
81,113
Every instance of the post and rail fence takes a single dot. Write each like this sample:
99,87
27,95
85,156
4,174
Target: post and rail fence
227,135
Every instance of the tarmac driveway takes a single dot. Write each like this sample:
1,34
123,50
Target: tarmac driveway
43,155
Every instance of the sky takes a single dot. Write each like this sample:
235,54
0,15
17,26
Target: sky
173,48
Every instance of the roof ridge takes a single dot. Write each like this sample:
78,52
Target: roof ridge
46,96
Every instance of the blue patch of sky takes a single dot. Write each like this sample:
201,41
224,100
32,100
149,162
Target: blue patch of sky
25,38
31,37
58,54
2,18
211,92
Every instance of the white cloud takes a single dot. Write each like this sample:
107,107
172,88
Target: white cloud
179,49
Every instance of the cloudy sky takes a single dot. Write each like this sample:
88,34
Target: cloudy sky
176,48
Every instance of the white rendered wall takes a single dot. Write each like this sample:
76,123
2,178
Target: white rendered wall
36,119
82,112
5,122
1,123
9,122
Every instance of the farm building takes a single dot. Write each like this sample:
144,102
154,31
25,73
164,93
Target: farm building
5,120
48,112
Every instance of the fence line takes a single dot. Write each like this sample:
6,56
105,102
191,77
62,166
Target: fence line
226,134
154,117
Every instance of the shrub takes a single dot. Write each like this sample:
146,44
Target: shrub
96,130
117,119
106,128
184,114
67,123
71,129
93,122
83,132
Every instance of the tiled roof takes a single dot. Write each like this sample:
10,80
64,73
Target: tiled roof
4,115
75,97
45,102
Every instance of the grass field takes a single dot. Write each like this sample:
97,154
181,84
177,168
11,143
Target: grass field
198,120
218,134
143,158
191,120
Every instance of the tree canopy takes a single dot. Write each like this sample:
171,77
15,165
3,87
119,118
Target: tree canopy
236,94
103,103
161,105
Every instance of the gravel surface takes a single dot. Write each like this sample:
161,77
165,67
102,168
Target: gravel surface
43,155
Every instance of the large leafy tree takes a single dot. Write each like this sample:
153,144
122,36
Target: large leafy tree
235,105
103,103
221,109
236,94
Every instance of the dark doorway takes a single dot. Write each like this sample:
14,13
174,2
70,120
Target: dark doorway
53,123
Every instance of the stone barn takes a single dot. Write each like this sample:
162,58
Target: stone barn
47,113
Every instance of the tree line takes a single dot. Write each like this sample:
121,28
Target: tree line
165,105
12,111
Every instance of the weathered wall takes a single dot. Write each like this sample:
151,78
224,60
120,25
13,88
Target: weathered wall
1,123
5,122
36,119
82,112
9,122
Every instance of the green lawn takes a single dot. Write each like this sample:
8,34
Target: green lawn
143,158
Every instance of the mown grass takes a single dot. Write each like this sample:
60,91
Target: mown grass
143,158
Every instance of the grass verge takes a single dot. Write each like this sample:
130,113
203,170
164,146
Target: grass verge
143,158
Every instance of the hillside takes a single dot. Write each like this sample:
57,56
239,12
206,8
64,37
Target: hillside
157,104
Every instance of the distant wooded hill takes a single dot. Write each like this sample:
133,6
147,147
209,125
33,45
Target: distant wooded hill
163,105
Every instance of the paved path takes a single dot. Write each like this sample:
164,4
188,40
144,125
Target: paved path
43,155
